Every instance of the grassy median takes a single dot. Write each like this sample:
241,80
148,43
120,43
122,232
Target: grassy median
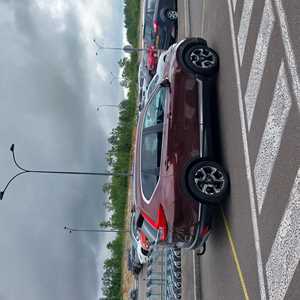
119,157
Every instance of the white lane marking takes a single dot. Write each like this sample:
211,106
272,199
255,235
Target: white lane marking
234,4
247,160
187,18
203,17
244,27
194,273
285,252
290,57
270,143
259,60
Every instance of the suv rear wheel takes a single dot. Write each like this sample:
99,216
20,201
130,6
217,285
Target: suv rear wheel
207,182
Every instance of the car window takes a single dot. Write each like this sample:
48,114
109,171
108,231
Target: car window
152,84
155,111
152,142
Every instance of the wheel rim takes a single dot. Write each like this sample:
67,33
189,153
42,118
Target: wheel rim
172,14
203,58
209,180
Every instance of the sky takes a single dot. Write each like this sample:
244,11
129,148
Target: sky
51,83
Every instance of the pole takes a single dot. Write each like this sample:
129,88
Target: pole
70,229
24,171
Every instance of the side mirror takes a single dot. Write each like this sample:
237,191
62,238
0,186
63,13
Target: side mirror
166,83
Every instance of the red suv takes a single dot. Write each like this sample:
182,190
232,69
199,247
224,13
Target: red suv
178,181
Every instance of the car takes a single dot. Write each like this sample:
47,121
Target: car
133,262
148,14
152,58
157,76
165,23
179,180
139,241
143,74
133,294
144,79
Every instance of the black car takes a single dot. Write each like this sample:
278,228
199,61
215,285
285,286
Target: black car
148,15
165,23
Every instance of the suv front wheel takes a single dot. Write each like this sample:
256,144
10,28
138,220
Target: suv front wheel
200,59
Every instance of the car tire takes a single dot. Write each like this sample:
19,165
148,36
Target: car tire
171,15
207,182
200,59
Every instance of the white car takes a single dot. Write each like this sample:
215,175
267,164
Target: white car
158,77
143,255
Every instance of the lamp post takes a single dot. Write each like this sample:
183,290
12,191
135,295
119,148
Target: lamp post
128,48
71,229
24,171
107,105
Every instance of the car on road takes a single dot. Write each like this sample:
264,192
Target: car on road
148,14
178,177
133,294
139,241
165,23
157,76
152,58
133,262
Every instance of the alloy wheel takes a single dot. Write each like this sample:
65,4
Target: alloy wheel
203,58
172,15
209,180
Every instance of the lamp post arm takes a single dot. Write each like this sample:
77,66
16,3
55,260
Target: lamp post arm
3,191
12,149
94,230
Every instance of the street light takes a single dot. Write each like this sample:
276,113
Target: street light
23,171
70,229
127,48
107,105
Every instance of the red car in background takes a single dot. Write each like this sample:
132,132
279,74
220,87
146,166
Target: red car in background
178,180
152,58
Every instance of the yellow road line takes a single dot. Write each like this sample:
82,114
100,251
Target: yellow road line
235,257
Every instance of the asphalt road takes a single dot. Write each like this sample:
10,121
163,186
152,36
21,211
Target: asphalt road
256,256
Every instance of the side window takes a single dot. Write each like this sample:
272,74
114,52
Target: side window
152,142
152,85
155,111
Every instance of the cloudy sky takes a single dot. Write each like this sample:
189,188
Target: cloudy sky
51,83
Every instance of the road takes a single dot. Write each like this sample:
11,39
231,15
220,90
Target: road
254,249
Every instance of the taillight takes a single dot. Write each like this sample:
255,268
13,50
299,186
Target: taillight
162,224
155,26
204,231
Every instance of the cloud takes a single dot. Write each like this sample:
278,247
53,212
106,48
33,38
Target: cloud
49,90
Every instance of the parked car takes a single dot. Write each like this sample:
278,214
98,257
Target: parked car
158,76
133,262
178,179
144,79
133,294
165,23
139,241
152,58
148,15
